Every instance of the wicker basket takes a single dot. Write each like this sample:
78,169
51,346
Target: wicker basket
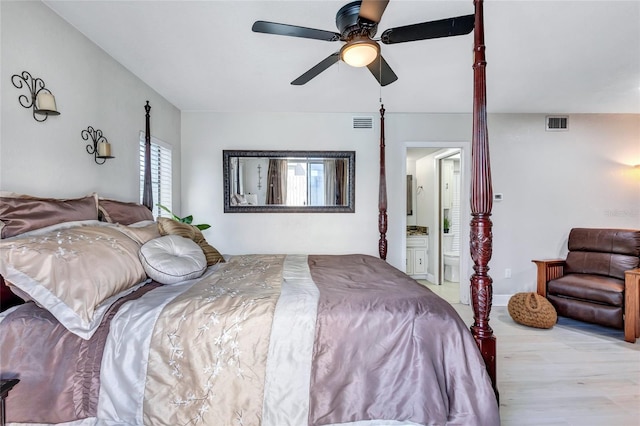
532,310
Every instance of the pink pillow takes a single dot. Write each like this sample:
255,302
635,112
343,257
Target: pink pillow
121,212
22,213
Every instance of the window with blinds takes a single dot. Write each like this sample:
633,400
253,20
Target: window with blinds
160,174
305,183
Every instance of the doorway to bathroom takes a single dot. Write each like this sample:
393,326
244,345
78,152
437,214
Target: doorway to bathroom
440,184
449,217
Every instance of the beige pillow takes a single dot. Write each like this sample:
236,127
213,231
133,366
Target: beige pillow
141,234
74,273
168,226
173,227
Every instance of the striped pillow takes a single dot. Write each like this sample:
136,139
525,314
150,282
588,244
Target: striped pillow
173,227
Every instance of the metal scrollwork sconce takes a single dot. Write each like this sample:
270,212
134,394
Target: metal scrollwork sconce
99,146
40,99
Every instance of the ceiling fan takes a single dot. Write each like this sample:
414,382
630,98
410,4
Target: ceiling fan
358,24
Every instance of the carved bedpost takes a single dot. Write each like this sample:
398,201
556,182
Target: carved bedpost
481,238
382,194
147,192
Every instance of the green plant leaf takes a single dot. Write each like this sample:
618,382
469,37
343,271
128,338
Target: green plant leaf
170,212
187,219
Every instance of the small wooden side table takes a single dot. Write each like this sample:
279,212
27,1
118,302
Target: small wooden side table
5,387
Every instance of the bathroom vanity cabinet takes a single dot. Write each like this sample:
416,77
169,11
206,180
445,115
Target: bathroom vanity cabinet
417,260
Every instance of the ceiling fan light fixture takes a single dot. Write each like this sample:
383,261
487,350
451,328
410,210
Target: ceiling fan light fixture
360,52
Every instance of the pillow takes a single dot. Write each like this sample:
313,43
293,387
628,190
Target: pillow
171,259
122,212
141,233
22,213
173,227
74,273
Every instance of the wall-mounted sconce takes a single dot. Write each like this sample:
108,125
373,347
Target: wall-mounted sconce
99,146
40,99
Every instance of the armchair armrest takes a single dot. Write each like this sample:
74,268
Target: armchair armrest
632,305
548,269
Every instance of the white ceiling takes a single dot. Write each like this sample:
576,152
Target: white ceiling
543,56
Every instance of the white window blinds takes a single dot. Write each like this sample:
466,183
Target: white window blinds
160,174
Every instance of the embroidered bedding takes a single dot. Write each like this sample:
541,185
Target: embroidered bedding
270,340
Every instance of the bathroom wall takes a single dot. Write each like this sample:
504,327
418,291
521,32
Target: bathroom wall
426,213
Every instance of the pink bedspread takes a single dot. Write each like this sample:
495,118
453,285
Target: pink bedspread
59,372
388,348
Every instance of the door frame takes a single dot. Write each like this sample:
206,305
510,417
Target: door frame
465,208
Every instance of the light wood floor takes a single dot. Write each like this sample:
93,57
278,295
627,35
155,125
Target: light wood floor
572,374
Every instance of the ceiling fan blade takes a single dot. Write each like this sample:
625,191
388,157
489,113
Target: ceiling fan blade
372,10
443,28
321,66
382,71
293,31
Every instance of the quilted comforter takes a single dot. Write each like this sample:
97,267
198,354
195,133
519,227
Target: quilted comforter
268,340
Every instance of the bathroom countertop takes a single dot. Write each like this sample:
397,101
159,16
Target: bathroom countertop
417,231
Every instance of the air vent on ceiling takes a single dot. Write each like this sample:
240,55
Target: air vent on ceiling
363,123
557,123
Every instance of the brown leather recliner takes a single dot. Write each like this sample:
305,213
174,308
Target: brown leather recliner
599,282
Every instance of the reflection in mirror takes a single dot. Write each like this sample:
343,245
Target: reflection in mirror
289,181
409,195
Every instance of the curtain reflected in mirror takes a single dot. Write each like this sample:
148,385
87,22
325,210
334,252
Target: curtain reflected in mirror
295,181
276,182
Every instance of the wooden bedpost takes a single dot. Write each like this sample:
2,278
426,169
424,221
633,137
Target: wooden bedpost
481,238
382,194
147,192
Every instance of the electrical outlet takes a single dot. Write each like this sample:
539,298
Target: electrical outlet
507,273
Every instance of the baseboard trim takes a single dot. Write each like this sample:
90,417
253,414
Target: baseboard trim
419,277
501,299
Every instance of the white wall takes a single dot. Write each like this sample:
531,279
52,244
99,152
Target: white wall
206,135
551,181
91,89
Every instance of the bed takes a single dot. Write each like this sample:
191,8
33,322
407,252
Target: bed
131,320
255,339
